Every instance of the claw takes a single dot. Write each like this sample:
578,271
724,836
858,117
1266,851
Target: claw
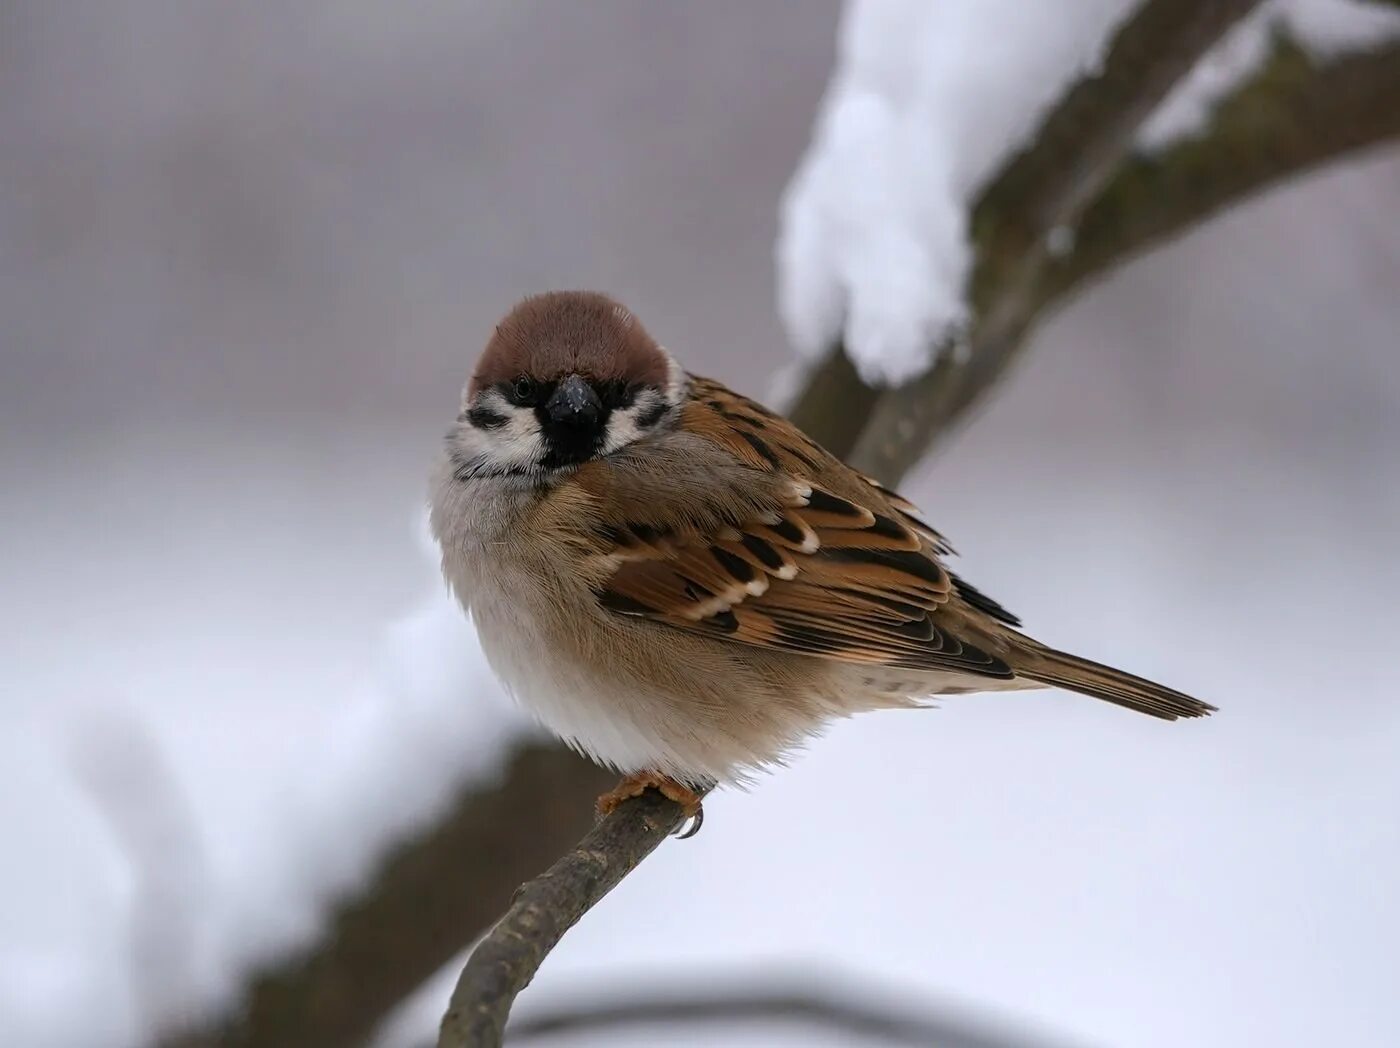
691,826
635,785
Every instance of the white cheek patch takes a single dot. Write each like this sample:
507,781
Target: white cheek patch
622,430
624,425
513,446
519,442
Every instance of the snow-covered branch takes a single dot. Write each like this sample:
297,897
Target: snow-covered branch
1084,138
1003,231
953,140
430,898
1292,116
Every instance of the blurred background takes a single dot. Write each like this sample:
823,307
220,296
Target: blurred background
247,255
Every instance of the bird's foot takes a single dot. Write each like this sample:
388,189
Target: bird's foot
637,784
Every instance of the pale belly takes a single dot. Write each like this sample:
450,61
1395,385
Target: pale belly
637,695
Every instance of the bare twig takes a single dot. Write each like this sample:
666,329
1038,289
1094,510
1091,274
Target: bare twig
505,961
834,1003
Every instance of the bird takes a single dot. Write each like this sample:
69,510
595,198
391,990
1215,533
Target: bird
685,587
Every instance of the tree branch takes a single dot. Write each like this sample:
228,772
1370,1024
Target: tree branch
505,961
1085,136
835,404
1038,189
1293,115
1041,189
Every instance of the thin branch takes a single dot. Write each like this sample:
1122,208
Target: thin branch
836,1003
505,961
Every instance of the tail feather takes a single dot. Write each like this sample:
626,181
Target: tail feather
1058,668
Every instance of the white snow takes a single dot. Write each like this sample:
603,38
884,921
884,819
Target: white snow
187,902
926,101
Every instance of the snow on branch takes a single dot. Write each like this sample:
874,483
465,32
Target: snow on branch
1058,212
430,898
1081,141
376,873
927,103
959,138
1293,115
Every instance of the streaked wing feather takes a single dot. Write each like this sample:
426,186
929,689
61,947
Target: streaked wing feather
823,573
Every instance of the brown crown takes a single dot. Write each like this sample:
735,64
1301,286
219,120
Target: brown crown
563,333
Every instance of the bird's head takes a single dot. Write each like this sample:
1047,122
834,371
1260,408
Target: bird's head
567,376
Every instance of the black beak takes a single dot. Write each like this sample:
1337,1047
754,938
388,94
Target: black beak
574,404
572,421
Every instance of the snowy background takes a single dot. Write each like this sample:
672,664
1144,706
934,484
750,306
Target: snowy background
247,258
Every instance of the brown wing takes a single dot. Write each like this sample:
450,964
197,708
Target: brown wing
836,567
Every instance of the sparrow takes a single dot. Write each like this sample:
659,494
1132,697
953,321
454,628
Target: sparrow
684,586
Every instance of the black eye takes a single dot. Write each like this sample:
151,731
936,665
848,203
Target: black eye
524,389
618,395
